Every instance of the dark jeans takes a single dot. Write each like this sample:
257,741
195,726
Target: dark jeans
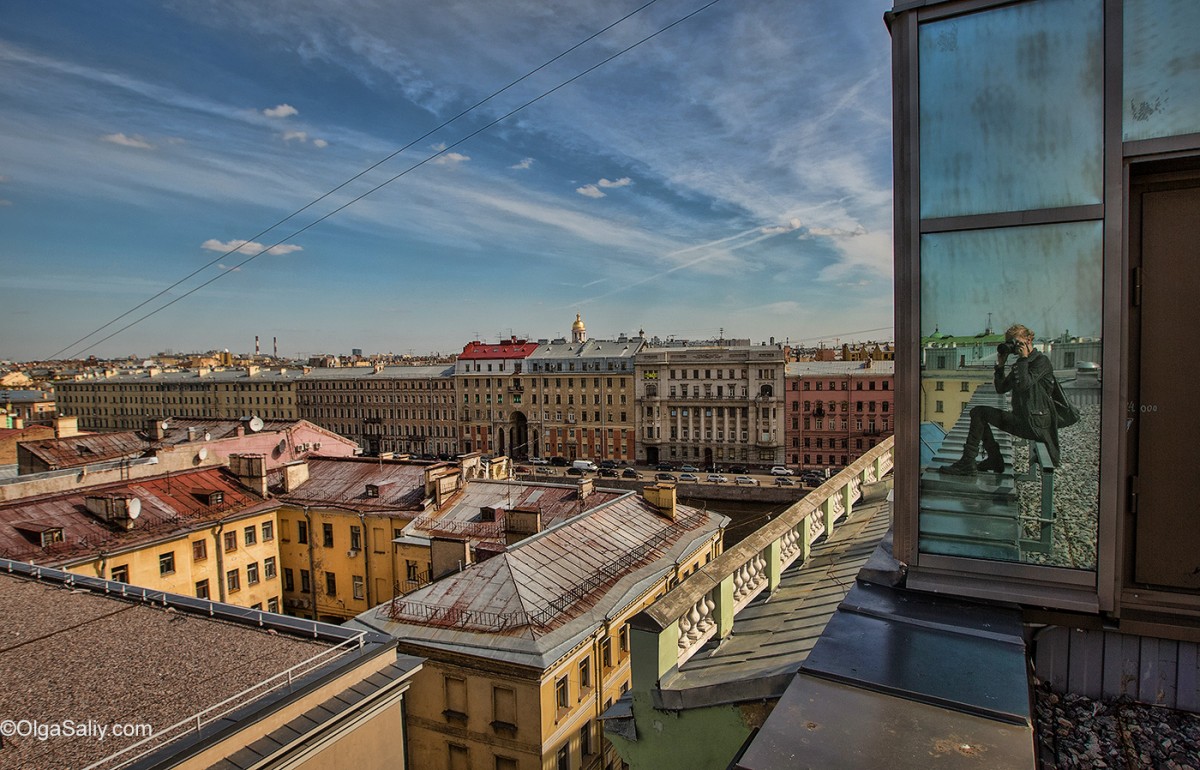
983,418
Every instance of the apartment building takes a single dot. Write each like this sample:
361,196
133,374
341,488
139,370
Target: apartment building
711,407
398,409
526,649
836,410
492,414
125,401
199,533
581,397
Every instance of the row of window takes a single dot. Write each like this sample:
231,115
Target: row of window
358,583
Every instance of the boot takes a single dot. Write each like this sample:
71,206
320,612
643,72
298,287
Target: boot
993,462
965,466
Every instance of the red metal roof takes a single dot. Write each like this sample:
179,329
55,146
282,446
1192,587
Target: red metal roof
341,482
510,348
171,504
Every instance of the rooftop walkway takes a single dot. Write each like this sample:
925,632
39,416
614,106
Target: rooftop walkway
774,633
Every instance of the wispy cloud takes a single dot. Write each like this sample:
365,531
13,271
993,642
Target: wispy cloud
448,158
136,141
5,202
248,247
622,182
229,268
320,144
523,164
590,191
281,111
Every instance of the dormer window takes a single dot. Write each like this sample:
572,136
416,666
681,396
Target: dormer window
372,490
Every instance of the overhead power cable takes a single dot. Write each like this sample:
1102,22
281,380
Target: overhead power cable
372,167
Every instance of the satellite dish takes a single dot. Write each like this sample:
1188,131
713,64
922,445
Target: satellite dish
165,425
203,453
207,436
134,508
256,424
282,444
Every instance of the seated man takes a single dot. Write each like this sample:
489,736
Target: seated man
1031,382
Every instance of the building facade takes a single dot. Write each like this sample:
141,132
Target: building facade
711,407
836,410
581,397
493,411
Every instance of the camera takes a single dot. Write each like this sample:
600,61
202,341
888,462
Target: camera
1007,348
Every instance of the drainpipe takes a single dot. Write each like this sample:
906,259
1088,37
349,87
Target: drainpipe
312,567
220,554
366,549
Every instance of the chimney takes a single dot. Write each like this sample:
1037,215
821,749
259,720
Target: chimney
121,510
294,474
65,427
586,486
448,555
520,523
155,429
256,346
662,497
251,471
275,347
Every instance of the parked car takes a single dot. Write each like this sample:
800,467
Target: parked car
689,469
784,481
746,481
559,461
609,473
585,465
546,472
812,479
737,469
608,463
573,471
780,470
688,477
716,478
664,467
521,469
630,473
664,477
538,461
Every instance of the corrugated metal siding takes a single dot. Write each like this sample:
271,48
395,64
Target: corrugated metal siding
1106,664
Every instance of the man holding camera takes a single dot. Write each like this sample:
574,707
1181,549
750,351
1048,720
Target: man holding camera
1031,382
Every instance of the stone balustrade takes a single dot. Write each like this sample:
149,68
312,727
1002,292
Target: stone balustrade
674,628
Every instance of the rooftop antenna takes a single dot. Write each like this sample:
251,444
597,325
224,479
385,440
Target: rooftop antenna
988,330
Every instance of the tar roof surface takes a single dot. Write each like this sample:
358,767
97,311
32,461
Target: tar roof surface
170,504
71,654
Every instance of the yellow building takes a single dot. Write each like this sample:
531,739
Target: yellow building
198,533
338,520
526,649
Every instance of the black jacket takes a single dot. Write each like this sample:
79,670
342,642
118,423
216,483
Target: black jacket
1031,381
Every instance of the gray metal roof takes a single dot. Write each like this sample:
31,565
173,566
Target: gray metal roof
589,349
836,368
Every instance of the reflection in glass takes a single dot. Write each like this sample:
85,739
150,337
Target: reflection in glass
1162,68
1011,109
1020,484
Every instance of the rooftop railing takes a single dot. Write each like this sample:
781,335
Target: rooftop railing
668,633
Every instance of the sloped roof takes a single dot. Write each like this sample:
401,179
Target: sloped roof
532,602
171,504
837,368
341,482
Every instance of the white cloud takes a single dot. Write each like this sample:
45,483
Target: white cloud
451,159
135,141
320,144
622,182
248,247
590,191
524,164
299,136
230,268
792,224
281,111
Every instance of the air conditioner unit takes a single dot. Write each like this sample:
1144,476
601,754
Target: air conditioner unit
316,445
352,553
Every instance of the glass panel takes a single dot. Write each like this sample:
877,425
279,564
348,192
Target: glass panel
1003,475
1162,68
1011,109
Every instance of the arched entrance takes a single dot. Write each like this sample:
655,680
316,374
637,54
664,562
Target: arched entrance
518,433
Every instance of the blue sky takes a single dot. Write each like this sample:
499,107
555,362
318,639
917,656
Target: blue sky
733,172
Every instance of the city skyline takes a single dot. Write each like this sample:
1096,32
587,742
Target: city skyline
734,171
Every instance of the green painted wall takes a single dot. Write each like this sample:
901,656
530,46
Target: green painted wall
695,739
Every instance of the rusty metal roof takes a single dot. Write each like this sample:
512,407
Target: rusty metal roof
341,482
170,505
533,602
464,517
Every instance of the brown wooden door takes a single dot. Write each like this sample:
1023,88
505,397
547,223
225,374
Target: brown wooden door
1165,404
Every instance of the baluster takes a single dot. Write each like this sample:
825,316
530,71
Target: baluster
685,627
694,622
